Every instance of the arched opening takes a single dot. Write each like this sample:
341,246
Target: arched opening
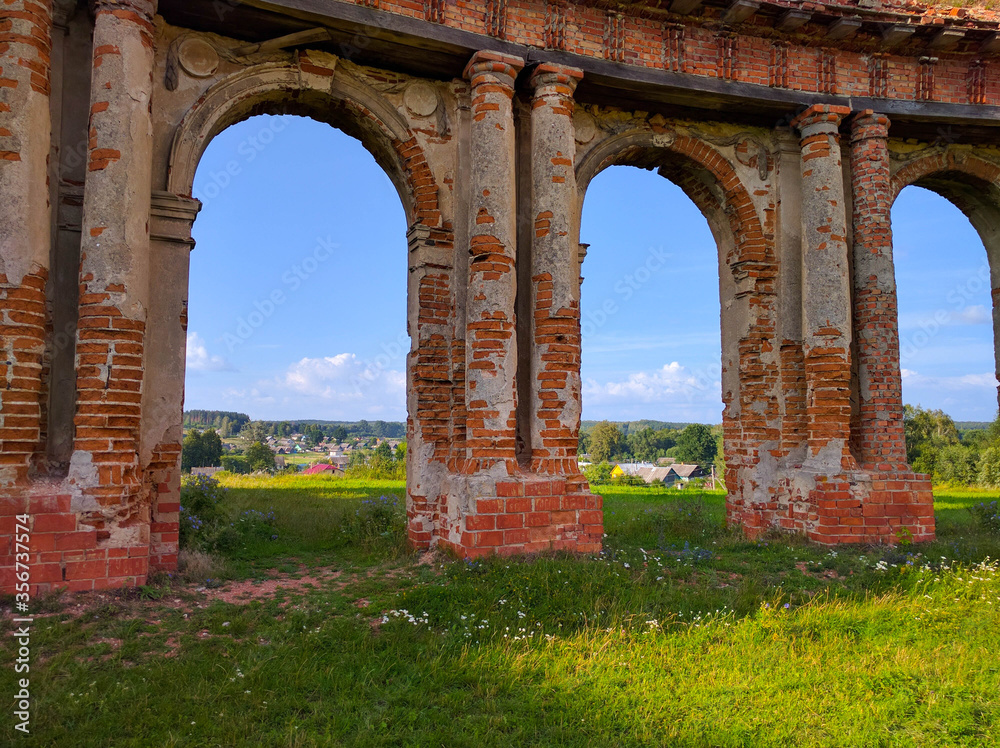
945,213
297,302
384,371
297,320
649,303
741,272
650,349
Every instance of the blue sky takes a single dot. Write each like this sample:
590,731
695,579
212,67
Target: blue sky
298,290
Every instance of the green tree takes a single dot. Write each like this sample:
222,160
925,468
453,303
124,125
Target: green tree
235,464
254,431
955,463
720,458
401,452
226,428
381,460
339,434
696,445
211,446
192,451
927,432
259,456
642,445
605,441
598,473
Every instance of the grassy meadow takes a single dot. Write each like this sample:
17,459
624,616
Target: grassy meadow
319,627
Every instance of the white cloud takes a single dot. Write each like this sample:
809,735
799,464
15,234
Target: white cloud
332,387
199,359
965,381
977,314
669,384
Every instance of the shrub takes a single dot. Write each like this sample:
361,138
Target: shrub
248,527
987,516
205,526
598,473
200,497
235,464
376,521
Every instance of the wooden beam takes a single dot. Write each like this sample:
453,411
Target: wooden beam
283,42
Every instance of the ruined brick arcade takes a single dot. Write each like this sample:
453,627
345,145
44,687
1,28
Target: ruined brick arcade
792,126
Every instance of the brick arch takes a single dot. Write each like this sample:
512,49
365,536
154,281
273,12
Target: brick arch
704,175
321,93
751,379
345,102
971,184
968,181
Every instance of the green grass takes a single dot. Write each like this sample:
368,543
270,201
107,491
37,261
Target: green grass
678,634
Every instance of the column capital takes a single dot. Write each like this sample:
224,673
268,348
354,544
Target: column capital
819,118
171,217
550,74
868,124
485,63
144,8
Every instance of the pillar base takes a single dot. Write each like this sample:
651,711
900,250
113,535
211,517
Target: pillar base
864,506
63,551
523,514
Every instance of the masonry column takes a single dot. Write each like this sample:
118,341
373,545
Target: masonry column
25,227
826,293
555,278
879,435
165,349
430,323
491,355
114,274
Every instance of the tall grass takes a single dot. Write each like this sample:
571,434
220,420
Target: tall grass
681,633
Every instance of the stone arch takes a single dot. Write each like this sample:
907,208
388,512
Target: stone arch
747,277
325,94
972,184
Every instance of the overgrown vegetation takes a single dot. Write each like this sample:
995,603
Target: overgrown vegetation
680,633
606,442
935,445
209,524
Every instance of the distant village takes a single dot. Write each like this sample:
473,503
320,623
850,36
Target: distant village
617,453
666,471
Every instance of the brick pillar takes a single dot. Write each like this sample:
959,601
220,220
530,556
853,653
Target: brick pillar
555,278
826,292
114,275
879,433
491,355
165,349
25,226
430,323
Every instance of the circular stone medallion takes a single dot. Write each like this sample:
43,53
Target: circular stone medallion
421,99
198,58
585,126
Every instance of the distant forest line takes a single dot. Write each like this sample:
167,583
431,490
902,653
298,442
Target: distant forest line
229,423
